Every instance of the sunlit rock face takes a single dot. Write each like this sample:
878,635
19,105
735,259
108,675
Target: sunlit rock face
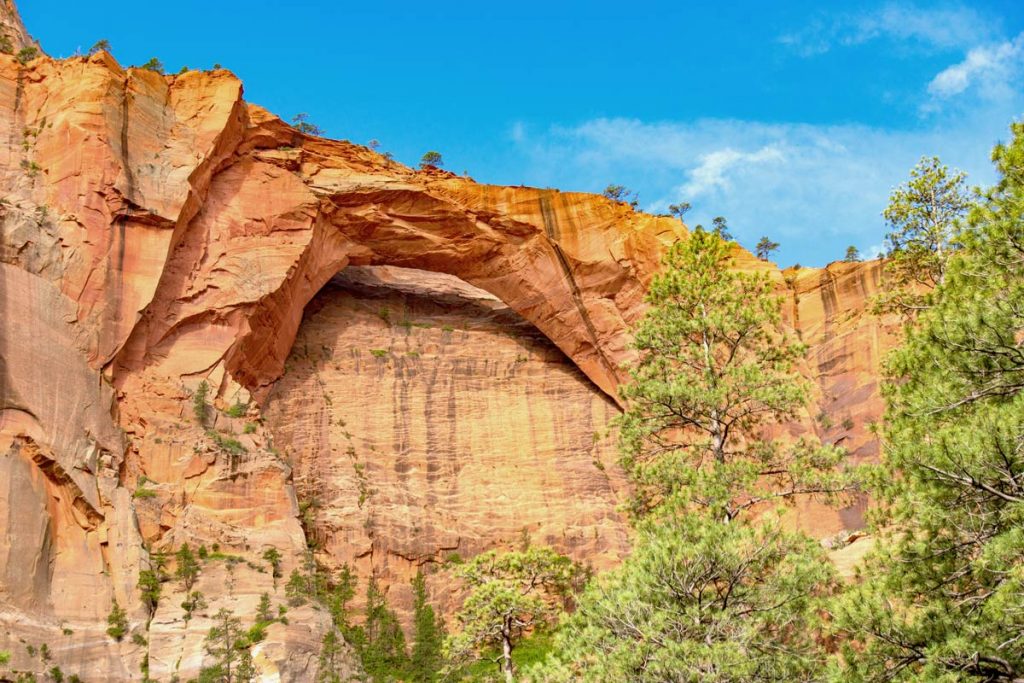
426,420
158,231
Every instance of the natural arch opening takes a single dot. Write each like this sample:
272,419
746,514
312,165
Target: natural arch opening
424,418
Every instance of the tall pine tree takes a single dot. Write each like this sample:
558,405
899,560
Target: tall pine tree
944,593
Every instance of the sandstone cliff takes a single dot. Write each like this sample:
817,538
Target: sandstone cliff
405,364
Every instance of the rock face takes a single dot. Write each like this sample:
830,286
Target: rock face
157,232
428,420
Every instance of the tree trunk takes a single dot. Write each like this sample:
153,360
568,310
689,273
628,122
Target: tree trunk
506,655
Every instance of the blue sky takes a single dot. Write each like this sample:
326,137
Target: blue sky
793,119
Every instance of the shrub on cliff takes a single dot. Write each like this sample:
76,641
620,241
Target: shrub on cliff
101,45
117,622
153,64
302,124
431,158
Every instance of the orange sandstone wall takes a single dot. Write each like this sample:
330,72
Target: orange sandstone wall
158,231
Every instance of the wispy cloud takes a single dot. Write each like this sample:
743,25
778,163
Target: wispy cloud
712,171
806,185
992,69
927,26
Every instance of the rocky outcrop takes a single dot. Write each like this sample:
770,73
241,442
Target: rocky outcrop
158,232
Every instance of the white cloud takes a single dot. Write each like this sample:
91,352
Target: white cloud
933,27
993,68
714,167
814,188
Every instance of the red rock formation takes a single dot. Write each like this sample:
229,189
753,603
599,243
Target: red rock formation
158,231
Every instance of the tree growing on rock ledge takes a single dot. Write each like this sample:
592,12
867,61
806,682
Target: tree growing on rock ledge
302,124
765,247
431,159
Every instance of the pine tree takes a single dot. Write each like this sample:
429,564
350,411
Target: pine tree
383,654
188,568
273,557
852,254
721,228
510,595
297,589
428,636
944,594
700,600
226,643
149,586
712,591
765,247
714,371
924,214
331,659
263,613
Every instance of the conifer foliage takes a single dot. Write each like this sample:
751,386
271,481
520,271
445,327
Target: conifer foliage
944,593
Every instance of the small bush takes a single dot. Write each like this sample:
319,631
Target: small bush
237,410
139,639
117,621
431,158
143,493
27,54
378,353
153,64
302,124
249,428
102,45
6,47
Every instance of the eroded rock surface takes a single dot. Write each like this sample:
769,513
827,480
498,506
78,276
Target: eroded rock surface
158,231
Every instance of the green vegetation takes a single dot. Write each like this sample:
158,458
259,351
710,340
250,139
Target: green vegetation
188,568
712,591
924,214
193,602
679,210
6,47
510,595
852,254
715,369
425,662
272,556
153,64
150,588
117,622
200,407
721,228
618,193
431,159
765,247
228,444
101,45
142,492
942,595
302,124
378,353
237,409
27,54
228,645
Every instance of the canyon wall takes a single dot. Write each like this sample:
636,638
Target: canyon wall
405,365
